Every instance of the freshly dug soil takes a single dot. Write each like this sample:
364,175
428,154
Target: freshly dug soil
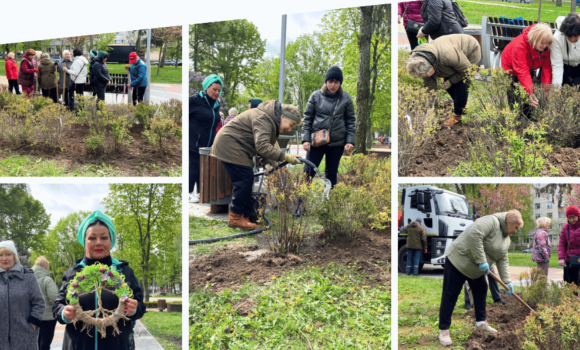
227,268
508,319
75,154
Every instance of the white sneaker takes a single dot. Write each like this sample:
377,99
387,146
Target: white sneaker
485,327
193,198
445,338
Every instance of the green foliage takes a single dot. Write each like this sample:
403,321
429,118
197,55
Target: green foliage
108,127
405,79
6,98
266,81
144,112
171,109
540,291
49,124
165,327
40,102
164,133
558,109
13,120
94,276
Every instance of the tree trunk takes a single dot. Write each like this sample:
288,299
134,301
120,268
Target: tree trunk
573,6
558,3
363,98
540,11
159,63
163,57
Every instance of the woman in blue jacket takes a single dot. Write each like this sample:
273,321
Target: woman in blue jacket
204,117
138,71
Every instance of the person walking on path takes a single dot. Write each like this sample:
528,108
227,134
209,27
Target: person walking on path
27,72
50,293
11,68
416,244
542,249
569,245
47,77
411,10
138,72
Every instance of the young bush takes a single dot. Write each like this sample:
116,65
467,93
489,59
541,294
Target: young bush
540,291
87,112
163,132
108,132
49,125
404,78
6,97
40,102
13,126
144,113
559,109
171,109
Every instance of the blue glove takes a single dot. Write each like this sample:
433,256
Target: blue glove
484,267
511,291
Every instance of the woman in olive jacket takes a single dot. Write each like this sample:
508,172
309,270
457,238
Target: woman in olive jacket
330,108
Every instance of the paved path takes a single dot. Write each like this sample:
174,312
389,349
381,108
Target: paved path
143,339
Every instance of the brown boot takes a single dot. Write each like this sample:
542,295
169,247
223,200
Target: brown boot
238,220
454,119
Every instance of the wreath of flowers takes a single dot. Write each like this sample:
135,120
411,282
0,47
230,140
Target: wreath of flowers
96,278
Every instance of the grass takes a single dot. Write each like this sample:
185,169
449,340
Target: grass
313,308
523,259
165,327
419,300
475,9
203,228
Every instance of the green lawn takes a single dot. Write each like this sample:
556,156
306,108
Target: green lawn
419,300
203,228
167,75
165,327
523,259
316,308
474,11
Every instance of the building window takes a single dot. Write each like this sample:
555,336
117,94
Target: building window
550,205
537,216
561,215
119,33
537,195
527,240
537,205
537,185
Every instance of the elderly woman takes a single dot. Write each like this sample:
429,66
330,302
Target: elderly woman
47,78
253,132
11,68
100,77
521,58
439,18
542,250
331,109
569,245
232,113
469,257
565,52
50,293
204,117
21,302
26,74
97,235
64,82
449,57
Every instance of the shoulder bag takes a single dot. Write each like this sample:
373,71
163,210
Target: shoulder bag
574,259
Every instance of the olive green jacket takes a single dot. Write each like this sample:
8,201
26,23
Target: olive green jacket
416,236
253,132
454,55
49,290
485,240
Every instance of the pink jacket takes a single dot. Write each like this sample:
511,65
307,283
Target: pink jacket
574,239
413,11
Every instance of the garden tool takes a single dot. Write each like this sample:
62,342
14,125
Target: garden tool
64,85
469,293
506,287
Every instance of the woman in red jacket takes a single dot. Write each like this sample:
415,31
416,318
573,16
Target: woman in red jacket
525,54
411,11
12,73
570,244
26,72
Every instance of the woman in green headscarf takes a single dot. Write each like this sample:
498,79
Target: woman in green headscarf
97,235
204,118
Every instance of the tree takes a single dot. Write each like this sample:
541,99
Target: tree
266,80
574,197
163,36
146,216
102,41
77,41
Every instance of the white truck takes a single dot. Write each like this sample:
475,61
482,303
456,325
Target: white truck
444,215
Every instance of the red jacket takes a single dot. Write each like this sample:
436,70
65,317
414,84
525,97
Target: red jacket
574,238
519,58
411,11
219,126
11,69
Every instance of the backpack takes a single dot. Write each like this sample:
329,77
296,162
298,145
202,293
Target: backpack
461,19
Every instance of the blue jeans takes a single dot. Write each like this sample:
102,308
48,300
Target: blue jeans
413,258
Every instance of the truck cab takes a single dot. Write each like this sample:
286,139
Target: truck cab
444,215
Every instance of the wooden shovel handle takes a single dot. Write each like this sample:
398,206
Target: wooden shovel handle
506,287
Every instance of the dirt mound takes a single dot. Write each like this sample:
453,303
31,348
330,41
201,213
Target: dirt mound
508,319
565,159
74,154
231,267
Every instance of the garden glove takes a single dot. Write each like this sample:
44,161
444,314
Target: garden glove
562,262
129,86
511,291
484,267
425,250
291,159
127,67
446,84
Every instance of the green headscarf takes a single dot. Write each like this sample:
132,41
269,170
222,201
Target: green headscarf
97,215
214,78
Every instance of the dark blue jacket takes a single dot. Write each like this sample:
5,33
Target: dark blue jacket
138,74
203,121
99,73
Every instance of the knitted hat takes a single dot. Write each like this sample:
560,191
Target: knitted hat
214,78
94,53
97,215
254,102
572,211
133,57
333,73
419,220
10,245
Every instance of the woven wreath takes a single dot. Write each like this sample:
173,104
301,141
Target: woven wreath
96,279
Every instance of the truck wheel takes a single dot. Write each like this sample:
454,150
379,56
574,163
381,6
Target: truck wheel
403,258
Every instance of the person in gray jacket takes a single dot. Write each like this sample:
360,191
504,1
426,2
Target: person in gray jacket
439,18
50,293
469,257
21,302
330,108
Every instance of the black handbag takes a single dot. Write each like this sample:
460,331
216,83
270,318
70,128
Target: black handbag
413,26
571,82
574,259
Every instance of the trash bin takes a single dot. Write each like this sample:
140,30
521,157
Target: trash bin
215,184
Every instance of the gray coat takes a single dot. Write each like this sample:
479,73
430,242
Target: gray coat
48,288
61,72
439,18
331,113
21,304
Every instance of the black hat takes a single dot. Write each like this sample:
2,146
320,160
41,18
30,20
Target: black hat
333,73
255,102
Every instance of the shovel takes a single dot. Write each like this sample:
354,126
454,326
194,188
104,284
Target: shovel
507,288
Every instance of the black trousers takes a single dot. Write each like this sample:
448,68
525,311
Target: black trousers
80,89
50,93
13,86
333,155
453,281
138,93
101,93
69,98
571,275
525,108
413,41
194,166
46,334
459,93
493,288
243,180
570,72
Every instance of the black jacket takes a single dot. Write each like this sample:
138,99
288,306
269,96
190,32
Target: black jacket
74,339
99,73
334,113
203,120
439,18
